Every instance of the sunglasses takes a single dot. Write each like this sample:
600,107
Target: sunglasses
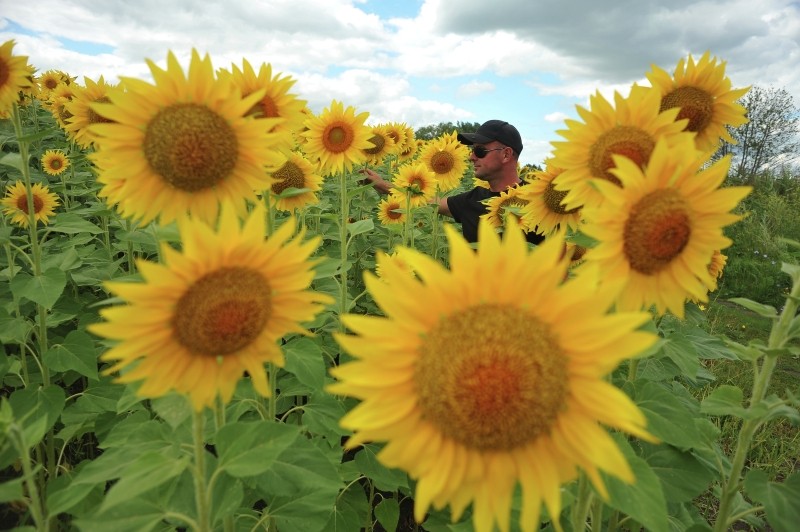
481,152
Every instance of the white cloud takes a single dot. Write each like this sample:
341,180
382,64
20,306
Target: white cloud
475,88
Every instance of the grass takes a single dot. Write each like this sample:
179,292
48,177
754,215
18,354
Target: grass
776,446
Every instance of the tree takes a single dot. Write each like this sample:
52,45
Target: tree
437,130
769,139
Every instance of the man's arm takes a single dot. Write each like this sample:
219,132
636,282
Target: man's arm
379,184
444,208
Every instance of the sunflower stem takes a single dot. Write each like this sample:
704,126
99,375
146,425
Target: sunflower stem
36,506
778,337
272,376
435,228
344,218
200,490
583,501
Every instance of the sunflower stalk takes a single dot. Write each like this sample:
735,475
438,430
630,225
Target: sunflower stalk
583,501
344,216
779,335
201,490
36,259
35,505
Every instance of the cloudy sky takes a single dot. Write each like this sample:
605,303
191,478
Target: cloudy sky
423,61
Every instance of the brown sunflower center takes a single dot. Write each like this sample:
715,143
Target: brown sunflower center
5,72
379,142
22,203
490,387
392,211
442,162
269,108
338,137
56,164
96,118
553,198
417,185
656,231
289,175
696,104
632,142
51,83
190,146
223,311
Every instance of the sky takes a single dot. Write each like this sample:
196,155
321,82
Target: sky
423,62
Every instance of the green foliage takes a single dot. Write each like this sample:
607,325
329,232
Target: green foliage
445,128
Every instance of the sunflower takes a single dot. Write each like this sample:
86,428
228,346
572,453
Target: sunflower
277,101
338,138
15,204
410,146
14,76
447,158
383,145
82,114
631,129
418,181
54,162
299,174
396,258
715,267
509,202
391,210
182,145
702,92
469,408
543,207
207,314
656,234
48,81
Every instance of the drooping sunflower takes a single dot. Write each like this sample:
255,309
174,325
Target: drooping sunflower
299,174
657,233
417,180
391,210
510,202
383,145
715,267
54,162
338,138
396,258
630,128
206,315
82,114
410,145
60,97
15,203
182,145
469,408
447,158
702,93
14,76
543,207
277,101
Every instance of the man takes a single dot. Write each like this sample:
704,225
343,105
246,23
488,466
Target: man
495,149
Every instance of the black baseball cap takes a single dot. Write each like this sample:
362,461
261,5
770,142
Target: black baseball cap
498,130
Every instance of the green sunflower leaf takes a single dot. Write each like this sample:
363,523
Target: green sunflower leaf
44,289
779,499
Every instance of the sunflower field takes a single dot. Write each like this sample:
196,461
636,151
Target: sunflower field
211,320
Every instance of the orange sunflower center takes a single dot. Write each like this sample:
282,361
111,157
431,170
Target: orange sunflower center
490,387
22,203
289,175
190,146
338,137
553,198
442,162
696,104
50,83
417,185
55,164
379,142
269,108
632,142
657,230
223,311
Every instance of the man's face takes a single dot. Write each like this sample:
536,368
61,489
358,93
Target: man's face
488,166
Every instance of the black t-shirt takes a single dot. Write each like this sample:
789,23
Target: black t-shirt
467,209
